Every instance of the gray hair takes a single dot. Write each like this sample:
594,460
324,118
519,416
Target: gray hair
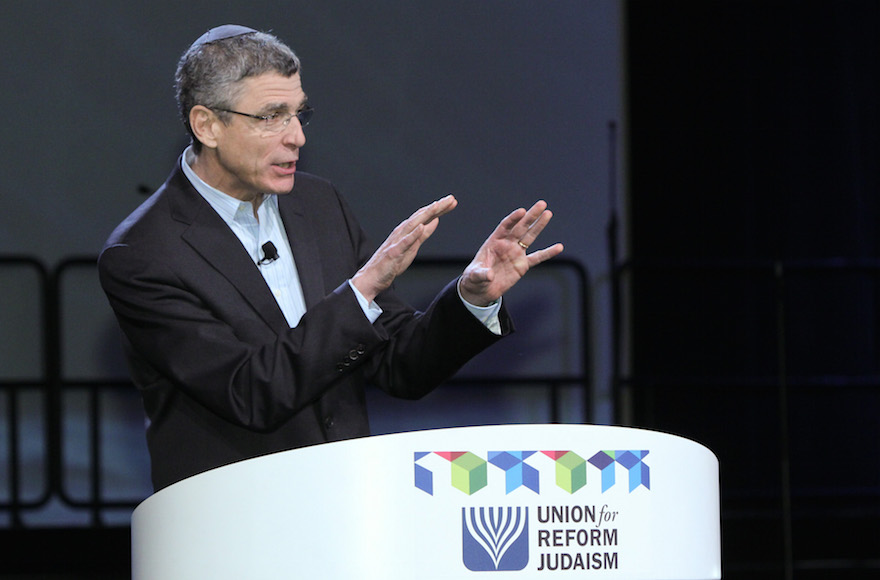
210,74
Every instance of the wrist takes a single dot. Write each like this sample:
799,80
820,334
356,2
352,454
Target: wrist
472,298
362,284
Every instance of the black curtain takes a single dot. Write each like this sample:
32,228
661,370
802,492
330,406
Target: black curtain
755,266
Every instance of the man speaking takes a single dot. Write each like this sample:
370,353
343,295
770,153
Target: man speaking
254,311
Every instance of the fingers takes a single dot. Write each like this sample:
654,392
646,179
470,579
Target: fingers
424,216
417,236
523,226
535,229
421,224
433,210
533,222
507,226
539,256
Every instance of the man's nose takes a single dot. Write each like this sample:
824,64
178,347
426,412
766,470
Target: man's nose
294,133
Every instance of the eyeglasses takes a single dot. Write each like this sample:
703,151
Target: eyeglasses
278,121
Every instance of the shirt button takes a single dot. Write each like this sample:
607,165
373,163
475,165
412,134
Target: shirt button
328,421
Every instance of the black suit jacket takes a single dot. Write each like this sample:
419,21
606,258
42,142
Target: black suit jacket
223,377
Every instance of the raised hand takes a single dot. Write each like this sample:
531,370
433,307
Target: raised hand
503,258
400,248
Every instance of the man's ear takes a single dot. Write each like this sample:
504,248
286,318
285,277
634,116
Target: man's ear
205,125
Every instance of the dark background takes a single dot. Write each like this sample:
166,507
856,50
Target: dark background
741,309
753,191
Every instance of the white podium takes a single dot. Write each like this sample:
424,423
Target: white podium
526,501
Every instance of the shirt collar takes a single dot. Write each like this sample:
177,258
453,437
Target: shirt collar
224,204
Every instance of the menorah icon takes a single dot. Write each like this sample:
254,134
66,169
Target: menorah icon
495,538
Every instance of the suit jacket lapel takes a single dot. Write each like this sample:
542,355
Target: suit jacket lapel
304,247
209,235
